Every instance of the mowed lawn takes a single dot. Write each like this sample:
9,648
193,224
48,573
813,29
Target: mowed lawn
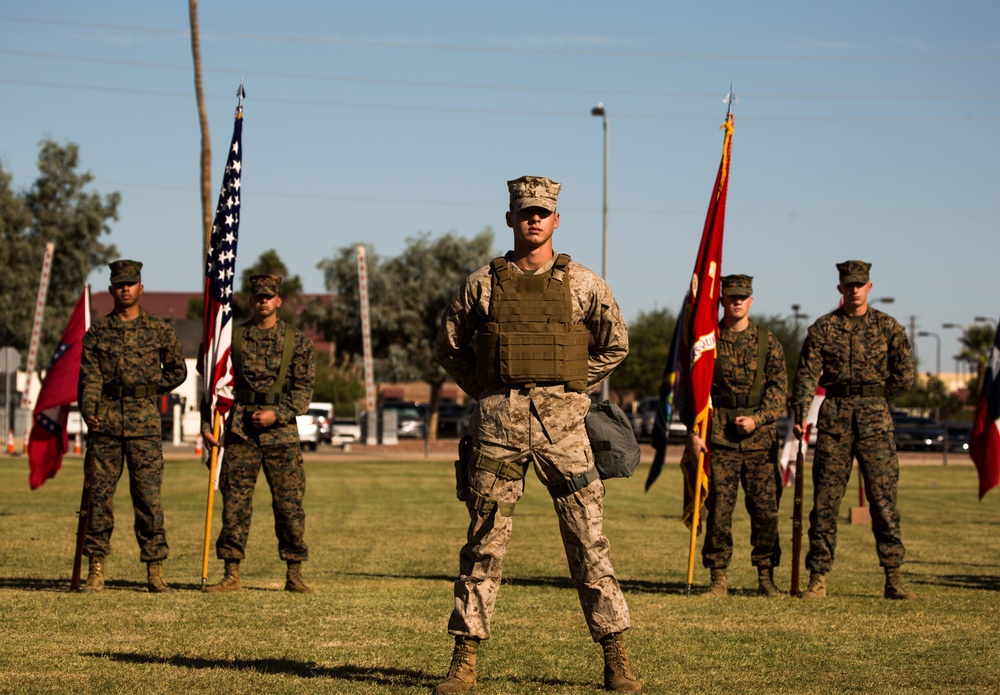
384,539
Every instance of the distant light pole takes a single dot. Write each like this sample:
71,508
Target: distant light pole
796,316
937,339
984,319
959,327
882,300
599,111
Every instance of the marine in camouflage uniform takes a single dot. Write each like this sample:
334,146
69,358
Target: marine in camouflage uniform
748,396
523,422
862,357
130,357
261,432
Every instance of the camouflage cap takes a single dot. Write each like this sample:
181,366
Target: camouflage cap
533,191
737,285
269,285
854,271
125,271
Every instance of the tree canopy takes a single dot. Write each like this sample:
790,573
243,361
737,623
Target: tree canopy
407,296
57,208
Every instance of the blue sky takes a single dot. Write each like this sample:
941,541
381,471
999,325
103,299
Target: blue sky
864,130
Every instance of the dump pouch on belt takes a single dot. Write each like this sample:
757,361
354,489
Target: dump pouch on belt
616,452
462,468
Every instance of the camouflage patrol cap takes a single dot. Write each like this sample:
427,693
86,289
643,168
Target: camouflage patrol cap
737,285
854,271
269,285
533,191
125,271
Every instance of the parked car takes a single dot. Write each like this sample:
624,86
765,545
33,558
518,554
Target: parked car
958,435
345,431
309,431
914,433
324,413
463,421
410,421
645,421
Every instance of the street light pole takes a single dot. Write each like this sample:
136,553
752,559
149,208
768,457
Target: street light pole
937,339
602,113
796,316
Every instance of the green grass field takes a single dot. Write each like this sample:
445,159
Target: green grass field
384,540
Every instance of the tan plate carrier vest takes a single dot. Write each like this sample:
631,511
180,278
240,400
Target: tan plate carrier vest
529,338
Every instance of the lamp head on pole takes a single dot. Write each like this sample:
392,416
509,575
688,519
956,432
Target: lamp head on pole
598,110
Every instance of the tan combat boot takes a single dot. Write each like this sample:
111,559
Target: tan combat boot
230,580
462,672
618,676
719,586
817,586
154,578
95,576
294,582
765,583
894,587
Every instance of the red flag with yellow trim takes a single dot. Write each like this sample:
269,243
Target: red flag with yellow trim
702,327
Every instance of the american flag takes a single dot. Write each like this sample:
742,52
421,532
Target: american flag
216,367
48,440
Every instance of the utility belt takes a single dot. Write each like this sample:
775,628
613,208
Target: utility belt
251,397
864,390
745,400
128,391
471,457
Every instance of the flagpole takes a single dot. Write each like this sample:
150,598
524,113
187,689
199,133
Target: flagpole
214,458
696,509
220,269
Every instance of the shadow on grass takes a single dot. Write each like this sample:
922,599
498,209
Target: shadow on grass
628,585
975,582
306,669
62,584
301,669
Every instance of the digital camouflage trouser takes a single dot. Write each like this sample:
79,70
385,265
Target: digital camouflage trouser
758,473
831,470
144,458
285,474
580,517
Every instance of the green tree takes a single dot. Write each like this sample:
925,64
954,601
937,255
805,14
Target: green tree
407,296
784,329
57,208
977,342
649,337
338,383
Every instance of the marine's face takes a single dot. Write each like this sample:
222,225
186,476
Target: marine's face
735,307
125,294
855,294
532,227
265,305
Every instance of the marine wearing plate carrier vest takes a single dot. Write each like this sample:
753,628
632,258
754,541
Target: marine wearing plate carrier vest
518,341
529,338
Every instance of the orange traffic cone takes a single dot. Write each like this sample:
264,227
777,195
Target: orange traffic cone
197,446
10,442
77,445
